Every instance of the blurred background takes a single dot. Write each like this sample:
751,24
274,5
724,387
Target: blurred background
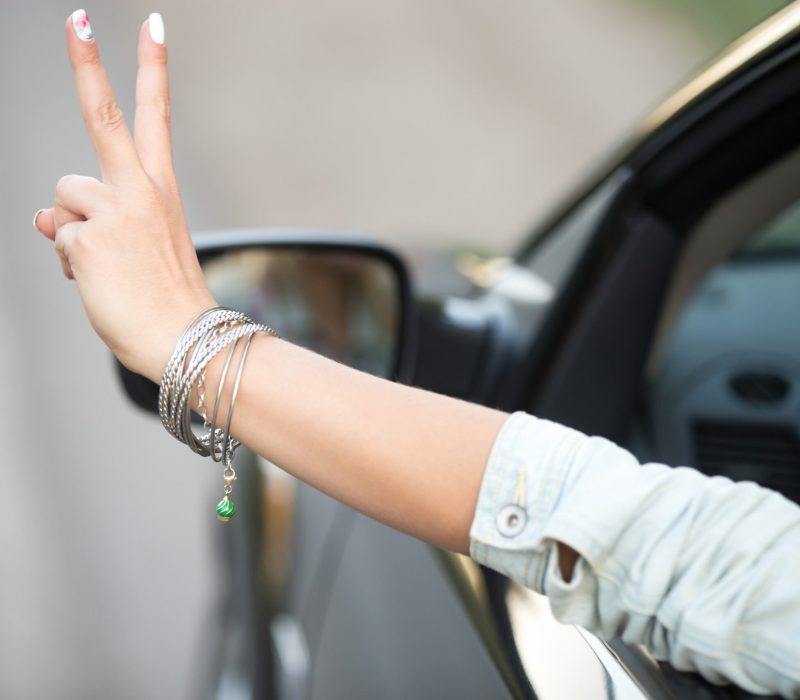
433,126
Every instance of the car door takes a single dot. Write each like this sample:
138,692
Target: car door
565,328
573,326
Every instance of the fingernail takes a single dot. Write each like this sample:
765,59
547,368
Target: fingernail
80,21
156,24
36,216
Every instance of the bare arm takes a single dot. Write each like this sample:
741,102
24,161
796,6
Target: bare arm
407,457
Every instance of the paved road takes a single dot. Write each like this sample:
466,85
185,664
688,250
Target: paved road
453,121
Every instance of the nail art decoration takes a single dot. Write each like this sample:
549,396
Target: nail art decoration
80,22
155,23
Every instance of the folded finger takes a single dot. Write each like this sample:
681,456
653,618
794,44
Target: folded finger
65,268
66,223
112,142
44,223
80,195
152,122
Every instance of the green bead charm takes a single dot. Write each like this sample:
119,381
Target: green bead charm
225,510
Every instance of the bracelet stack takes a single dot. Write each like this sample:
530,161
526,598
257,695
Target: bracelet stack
208,334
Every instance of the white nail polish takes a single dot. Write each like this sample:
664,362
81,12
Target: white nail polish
156,24
80,22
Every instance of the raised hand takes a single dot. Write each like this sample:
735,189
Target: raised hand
124,238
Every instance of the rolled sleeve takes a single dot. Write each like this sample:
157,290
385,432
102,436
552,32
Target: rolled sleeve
527,470
700,569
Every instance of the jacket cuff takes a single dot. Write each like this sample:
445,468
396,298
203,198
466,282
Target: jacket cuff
528,470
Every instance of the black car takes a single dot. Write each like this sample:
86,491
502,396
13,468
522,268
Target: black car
657,307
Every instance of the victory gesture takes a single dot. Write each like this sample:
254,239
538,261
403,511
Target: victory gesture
124,238
700,569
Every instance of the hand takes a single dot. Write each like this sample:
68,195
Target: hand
124,240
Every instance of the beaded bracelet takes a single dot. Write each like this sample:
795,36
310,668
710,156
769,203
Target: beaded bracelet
207,335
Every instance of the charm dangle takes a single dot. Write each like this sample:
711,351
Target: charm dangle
226,508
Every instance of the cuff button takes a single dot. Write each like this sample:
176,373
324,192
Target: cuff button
511,521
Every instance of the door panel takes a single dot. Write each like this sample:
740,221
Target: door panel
394,627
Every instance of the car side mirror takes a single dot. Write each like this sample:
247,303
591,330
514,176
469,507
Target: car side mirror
343,297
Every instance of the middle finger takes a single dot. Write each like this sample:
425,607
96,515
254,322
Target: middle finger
152,124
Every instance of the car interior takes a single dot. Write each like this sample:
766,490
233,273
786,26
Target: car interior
724,370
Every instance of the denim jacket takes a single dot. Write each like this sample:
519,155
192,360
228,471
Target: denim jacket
703,571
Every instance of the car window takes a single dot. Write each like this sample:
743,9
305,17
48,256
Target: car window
547,262
727,397
555,254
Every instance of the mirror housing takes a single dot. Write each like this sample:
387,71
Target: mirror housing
308,265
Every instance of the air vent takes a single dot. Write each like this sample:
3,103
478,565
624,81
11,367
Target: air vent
760,387
764,453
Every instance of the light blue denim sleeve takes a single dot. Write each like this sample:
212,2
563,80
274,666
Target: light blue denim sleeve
704,571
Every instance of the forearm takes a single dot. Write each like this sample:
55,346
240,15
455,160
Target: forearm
407,457
411,459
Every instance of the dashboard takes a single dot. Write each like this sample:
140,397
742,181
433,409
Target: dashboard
727,397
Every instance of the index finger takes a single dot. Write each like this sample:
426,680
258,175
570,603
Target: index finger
112,142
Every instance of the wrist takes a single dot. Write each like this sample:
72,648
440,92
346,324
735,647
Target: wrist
153,350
